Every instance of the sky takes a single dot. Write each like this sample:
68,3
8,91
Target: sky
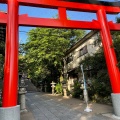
50,13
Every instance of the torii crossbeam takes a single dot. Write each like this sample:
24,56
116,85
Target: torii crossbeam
12,20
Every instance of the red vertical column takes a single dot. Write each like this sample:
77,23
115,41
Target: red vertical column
10,87
109,52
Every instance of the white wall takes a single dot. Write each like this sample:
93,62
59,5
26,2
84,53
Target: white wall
75,53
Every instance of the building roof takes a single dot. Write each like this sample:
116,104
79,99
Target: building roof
84,39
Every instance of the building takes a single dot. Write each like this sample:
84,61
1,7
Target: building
88,45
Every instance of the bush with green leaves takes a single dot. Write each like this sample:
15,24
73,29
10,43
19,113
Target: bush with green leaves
77,91
100,87
58,88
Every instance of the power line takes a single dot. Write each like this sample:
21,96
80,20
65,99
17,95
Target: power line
36,33
42,34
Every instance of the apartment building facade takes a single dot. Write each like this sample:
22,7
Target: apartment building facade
88,45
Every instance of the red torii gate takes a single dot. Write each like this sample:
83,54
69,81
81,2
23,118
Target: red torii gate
12,19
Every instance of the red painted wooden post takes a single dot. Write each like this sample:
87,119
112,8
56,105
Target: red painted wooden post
109,52
10,87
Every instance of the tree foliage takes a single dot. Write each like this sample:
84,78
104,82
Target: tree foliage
44,51
100,84
2,54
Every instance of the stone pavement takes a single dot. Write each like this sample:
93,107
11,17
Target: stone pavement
43,106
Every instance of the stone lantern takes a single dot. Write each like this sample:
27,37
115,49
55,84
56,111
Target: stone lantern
22,92
45,87
65,90
53,87
41,87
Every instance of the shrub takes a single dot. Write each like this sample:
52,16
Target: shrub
100,88
58,88
77,91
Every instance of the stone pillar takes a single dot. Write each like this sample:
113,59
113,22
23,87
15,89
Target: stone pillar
68,85
116,104
45,87
10,113
41,87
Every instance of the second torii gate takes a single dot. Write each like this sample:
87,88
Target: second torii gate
12,20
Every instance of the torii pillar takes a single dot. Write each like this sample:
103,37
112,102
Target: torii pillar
111,60
10,109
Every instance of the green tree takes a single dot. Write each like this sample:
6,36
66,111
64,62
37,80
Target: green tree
116,39
44,51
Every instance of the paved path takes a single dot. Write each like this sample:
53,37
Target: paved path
48,107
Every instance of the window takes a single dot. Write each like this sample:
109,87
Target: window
83,51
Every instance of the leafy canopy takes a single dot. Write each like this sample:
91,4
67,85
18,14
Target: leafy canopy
45,48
